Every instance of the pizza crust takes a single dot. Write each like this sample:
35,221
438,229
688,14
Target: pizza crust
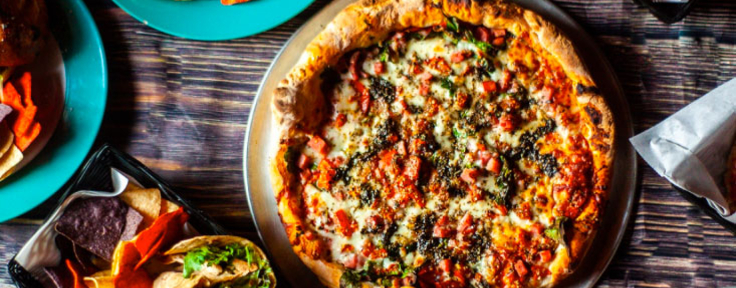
299,103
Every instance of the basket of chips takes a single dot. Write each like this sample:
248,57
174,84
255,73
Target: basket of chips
120,225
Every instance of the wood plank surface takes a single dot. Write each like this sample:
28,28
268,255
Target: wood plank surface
181,108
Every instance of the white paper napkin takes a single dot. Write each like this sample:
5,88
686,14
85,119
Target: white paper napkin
690,148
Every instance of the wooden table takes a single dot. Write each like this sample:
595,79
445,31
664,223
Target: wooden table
181,108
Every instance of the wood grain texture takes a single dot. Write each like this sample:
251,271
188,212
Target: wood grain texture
181,108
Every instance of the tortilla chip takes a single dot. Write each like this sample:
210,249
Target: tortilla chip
94,224
168,206
8,161
60,276
6,138
163,232
123,267
132,187
176,280
133,221
101,279
145,201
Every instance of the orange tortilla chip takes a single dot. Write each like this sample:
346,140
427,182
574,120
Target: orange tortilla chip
124,267
134,279
163,232
78,282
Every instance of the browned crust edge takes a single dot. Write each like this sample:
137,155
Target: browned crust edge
298,97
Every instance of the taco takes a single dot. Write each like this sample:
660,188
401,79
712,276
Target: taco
217,261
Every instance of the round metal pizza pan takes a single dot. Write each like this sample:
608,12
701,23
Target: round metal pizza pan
260,145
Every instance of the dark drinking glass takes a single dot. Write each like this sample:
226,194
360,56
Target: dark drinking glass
668,11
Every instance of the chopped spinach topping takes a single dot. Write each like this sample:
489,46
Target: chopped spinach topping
382,89
447,84
452,24
528,148
368,195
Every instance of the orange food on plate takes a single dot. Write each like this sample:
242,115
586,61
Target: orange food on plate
232,2
24,125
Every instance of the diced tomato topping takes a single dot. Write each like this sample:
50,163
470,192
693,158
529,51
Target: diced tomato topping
524,211
365,96
499,32
520,268
537,229
326,172
459,56
426,77
386,158
416,69
346,225
423,89
469,175
494,165
545,256
412,166
547,93
446,265
466,224
352,261
303,161
439,64
318,145
499,41
507,122
340,120
502,209
440,229
484,156
461,101
489,86
505,81
481,33
379,67
355,66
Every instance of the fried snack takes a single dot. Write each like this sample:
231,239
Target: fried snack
23,25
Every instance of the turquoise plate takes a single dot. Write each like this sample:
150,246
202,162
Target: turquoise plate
85,95
209,20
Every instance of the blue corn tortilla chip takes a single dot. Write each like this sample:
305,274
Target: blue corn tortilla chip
133,221
94,224
60,276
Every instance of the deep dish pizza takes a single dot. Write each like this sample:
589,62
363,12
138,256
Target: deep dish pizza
440,144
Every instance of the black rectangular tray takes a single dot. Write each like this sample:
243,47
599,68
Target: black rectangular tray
95,175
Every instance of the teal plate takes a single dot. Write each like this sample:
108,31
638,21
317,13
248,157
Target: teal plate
208,20
85,95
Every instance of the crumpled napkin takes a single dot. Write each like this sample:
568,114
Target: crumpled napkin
691,147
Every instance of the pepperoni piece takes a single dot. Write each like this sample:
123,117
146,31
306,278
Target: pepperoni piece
379,67
481,33
494,165
303,161
318,145
489,86
469,175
